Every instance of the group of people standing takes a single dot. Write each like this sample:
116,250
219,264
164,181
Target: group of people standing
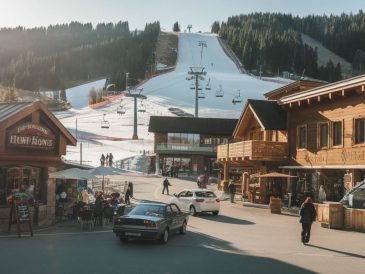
106,161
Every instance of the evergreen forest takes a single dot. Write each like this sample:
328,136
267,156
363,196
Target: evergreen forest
271,43
59,56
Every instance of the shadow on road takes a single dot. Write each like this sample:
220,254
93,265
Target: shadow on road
103,253
197,253
338,251
225,219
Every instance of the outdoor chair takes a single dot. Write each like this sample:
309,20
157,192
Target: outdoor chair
86,219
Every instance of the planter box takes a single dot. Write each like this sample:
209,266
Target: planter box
275,205
354,219
330,214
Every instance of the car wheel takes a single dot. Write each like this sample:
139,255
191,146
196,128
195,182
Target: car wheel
192,210
123,240
215,212
165,237
183,228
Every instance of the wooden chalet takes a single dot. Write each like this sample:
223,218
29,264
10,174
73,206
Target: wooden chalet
321,144
32,141
260,145
326,132
189,144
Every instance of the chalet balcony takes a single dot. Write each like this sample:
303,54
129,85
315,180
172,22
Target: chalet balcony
182,148
253,150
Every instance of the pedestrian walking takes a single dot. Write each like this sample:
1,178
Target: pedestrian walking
128,193
166,185
308,215
111,159
107,160
102,160
232,190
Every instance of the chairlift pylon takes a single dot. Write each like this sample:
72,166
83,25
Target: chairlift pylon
237,99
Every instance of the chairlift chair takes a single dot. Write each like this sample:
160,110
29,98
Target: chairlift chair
207,86
120,111
105,123
237,98
141,108
192,86
219,93
201,95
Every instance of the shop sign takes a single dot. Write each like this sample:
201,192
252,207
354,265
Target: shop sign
31,136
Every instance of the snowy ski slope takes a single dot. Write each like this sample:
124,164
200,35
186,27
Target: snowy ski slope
164,91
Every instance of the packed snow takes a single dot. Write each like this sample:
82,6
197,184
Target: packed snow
170,90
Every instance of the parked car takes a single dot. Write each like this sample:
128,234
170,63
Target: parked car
202,181
197,200
151,221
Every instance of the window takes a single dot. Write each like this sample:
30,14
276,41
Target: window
302,136
323,135
360,131
261,136
337,133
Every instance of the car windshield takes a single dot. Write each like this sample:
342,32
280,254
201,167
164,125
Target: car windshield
205,194
148,210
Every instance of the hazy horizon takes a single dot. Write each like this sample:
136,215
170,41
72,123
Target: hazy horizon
200,14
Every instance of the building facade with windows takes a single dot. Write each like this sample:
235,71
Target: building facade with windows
326,133
325,139
32,141
186,146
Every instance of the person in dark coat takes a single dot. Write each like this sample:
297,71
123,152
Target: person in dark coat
102,160
111,159
166,185
308,215
128,193
232,190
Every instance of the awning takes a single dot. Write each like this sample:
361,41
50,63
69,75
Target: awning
272,175
73,174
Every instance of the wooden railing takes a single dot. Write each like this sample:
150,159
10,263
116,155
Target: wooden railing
254,150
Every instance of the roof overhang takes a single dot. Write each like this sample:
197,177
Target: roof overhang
329,89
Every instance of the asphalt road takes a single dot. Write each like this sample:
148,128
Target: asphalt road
238,240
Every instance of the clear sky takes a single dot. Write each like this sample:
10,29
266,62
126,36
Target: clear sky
199,13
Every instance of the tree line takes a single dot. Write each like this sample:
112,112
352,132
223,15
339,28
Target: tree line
55,57
270,43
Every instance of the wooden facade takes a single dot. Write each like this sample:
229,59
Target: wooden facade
323,144
32,141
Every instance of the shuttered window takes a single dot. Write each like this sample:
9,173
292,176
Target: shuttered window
360,131
323,135
337,133
302,136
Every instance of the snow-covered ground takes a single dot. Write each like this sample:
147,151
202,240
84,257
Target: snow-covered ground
164,91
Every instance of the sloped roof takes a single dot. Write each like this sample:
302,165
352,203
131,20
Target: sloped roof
270,115
170,124
293,88
8,110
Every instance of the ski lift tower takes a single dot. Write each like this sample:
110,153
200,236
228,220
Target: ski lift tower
135,93
197,72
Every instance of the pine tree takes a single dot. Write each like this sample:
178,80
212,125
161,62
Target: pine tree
176,27
63,95
215,27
